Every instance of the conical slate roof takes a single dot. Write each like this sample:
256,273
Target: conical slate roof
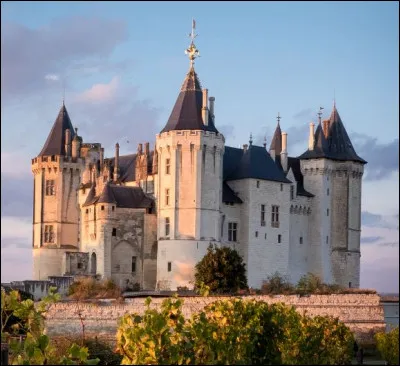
336,145
55,143
186,114
276,143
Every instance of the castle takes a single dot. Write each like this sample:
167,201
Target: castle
147,218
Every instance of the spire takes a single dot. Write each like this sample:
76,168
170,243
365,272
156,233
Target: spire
251,139
55,143
276,142
320,114
187,112
265,142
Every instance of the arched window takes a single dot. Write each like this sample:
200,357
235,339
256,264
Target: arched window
93,264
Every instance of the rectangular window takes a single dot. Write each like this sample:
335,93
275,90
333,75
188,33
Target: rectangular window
262,215
279,238
50,190
291,192
87,210
79,265
133,264
48,234
301,240
102,208
327,192
258,184
232,231
275,216
169,266
327,212
167,197
265,236
256,234
327,239
114,231
167,226
281,187
167,166
113,208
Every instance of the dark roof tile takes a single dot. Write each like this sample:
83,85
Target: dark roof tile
228,195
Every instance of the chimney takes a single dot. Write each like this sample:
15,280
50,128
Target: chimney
67,142
204,110
101,158
147,148
116,165
311,137
245,146
140,149
284,154
76,145
212,101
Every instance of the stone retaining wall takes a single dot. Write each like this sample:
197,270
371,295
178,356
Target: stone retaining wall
362,313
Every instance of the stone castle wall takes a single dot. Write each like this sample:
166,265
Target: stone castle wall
363,314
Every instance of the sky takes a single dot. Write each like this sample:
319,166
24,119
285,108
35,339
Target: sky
119,66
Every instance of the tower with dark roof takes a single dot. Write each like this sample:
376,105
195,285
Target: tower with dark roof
189,181
332,172
56,171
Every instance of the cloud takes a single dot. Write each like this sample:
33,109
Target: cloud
29,53
369,219
15,165
227,131
370,239
52,77
100,92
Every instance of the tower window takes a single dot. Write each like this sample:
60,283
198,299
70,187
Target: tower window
167,166
281,187
232,231
256,234
79,265
291,192
113,208
48,234
327,212
327,239
279,238
258,184
114,231
265,236
50,189
102,208
169,266
262,215
133,264
167,197
275,216
87,210
167,224
327,192
301,240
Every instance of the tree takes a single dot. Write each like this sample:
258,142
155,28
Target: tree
388,345
222,270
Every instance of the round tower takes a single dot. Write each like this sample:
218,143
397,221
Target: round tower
56,173
188,183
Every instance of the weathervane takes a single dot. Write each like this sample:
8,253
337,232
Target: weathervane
320,113
278,118
192,51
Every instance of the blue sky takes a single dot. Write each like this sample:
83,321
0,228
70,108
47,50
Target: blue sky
122,64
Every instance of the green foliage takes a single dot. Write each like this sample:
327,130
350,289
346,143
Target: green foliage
309,284
277,284
232,332
388,345
222,270
35,348
89,288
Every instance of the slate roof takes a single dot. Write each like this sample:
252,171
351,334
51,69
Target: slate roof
122,196
127,167
336,145
55,143
186,114
294,164
255,163
276,142
228,195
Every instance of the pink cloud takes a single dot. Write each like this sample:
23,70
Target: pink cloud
100,92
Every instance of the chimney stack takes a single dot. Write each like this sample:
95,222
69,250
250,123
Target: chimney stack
245,147
284,154
212,101
76,145
311,137
204,110
101,158
147,148
140,149
67,142
116,165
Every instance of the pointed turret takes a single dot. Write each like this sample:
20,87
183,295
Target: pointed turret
55,143
333,143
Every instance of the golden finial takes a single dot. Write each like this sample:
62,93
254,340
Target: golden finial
192,51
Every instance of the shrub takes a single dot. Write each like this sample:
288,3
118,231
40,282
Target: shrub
232,332
222,270
277,284
388,345
89,288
